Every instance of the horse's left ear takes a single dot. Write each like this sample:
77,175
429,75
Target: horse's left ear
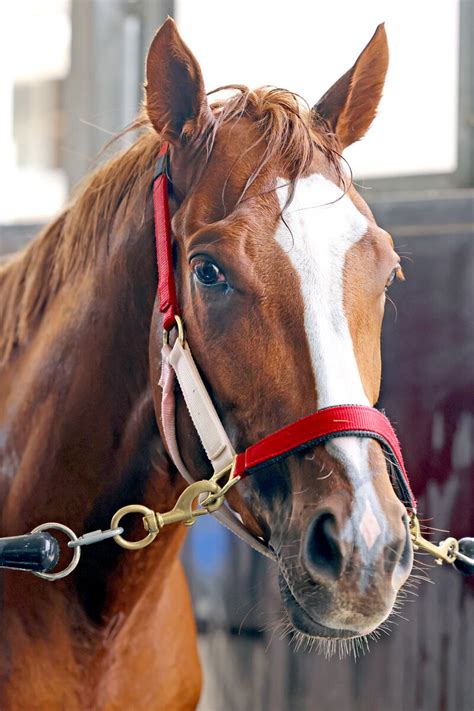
176,101
350,105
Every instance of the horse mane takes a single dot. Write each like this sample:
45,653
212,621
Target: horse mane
70,244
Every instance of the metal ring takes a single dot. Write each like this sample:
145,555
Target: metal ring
463,557
75,557
178,322
120,540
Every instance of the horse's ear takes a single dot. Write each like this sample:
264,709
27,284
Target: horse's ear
176,101
351,103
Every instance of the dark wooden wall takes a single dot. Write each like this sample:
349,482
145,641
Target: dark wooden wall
427,664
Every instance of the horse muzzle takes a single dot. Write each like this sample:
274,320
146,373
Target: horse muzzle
341,575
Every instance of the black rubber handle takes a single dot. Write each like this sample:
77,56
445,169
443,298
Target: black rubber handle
38,552
466,546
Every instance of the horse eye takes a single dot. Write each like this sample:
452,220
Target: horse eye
207,273
391,278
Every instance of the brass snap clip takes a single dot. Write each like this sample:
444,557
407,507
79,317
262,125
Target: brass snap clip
444,552
182,512
208,493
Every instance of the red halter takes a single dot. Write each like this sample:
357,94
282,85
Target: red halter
320,427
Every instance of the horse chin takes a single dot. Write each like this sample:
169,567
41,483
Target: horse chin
304,622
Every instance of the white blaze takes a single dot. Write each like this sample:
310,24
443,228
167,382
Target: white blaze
369,526
324,225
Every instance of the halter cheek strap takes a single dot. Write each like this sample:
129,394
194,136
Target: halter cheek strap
177,362
214,439
166,284
209,428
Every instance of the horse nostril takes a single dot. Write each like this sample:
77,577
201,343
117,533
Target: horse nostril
407,552
322,552
399,551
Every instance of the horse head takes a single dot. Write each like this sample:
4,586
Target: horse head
282,275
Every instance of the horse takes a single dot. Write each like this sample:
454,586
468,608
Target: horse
282,274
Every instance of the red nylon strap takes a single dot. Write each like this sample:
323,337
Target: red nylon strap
321,426
166,284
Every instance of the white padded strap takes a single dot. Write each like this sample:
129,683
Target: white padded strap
214,441
168,416
201,408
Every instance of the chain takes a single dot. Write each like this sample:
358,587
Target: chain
201,498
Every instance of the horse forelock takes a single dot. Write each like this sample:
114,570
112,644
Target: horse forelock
288,131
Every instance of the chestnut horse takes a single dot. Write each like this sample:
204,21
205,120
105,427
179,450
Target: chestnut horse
282,273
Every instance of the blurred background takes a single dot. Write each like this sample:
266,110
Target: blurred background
71,74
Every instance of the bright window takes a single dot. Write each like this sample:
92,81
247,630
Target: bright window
306,46
34,60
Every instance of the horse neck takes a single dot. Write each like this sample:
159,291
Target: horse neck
81,438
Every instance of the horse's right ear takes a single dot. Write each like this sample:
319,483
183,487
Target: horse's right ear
176,101
350,105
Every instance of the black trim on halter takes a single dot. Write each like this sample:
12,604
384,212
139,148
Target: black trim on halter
161,167
396,475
